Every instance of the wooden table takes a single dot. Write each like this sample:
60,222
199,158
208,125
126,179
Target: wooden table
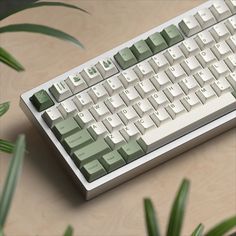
46,200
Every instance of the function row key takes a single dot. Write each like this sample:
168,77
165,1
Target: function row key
143,49
207,17
87,77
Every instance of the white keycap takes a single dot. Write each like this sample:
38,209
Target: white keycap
174,55
206,57
60,91
190,26
158,63
158,99
130,96
219,69
220,10
82,101
112,122
173,92
231,62
232,5
130,132
143,70
190,101
204,77
231,24
189,84
175,73
221,50
99,111
76,83
97,93
51,116
115,140
205,94
205,18
160,80
162,135
128,115
143,107
160,116
232,42
98,130
204,39
67,108
219,32
145,88
91,75
128,77
84,118
106,68
144,124
115,103
113,85
232,79
175,109
191,65
221,86
189,47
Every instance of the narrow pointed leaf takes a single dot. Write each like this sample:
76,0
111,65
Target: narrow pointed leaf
4,108
9,60
41,29
151,222
69,231
178,210
12,176
223,227
6,146
198,231
23,6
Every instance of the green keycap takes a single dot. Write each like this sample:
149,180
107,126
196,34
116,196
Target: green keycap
125,58
90,152
156,42
172,35
77,140
141,50
131,151
112,161
65,128
93,170
41,100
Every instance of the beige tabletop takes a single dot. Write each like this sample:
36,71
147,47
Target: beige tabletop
46,200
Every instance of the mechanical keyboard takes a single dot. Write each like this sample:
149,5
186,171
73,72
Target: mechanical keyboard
143,102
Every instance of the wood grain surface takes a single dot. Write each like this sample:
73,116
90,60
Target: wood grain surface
46,200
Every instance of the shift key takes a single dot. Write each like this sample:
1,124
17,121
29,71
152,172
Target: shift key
91,152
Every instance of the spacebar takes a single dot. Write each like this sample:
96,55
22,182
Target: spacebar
187,122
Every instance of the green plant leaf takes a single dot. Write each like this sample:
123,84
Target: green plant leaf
69,231
24,6
1,232
223,227
198,231
11,180
41,29
178,210
4,107
9,60
6,146
151,222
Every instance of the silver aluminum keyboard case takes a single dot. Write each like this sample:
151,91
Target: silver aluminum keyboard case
142,164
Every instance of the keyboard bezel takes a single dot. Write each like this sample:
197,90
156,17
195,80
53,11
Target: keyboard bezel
142,164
